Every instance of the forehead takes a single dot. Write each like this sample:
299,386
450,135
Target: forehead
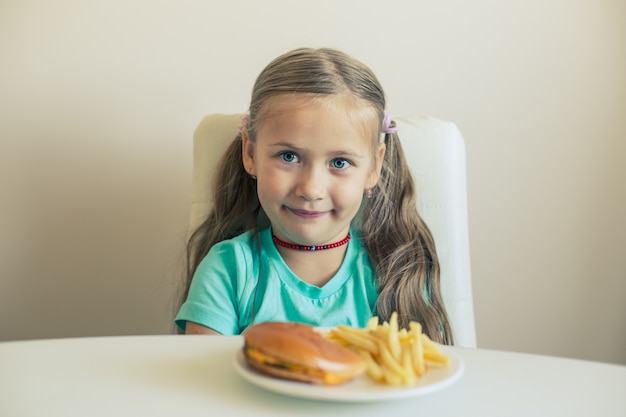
341,113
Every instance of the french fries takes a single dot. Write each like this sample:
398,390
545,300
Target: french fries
393,356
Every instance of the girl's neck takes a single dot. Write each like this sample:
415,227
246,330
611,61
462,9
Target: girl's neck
314,268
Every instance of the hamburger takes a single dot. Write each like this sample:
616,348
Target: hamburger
297,352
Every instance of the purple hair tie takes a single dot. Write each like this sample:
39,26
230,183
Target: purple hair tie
387,129
244,122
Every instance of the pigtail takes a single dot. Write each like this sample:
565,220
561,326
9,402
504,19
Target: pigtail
402,249
235,209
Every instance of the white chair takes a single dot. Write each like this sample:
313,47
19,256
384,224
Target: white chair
435,151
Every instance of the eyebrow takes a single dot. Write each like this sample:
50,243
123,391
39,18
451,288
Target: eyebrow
341,152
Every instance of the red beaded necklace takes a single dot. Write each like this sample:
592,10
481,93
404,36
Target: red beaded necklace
310,248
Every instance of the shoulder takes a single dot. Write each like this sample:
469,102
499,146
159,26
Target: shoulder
239,250
357,244
357,256
246,242
229,264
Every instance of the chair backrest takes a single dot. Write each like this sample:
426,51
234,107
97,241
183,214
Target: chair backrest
435,151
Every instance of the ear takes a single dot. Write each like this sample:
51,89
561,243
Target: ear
374,175
247,152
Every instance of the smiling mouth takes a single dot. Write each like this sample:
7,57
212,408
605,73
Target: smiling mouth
307,214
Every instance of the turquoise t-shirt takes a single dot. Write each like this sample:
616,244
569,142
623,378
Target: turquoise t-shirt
240,282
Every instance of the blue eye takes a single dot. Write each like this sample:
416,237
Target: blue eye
340,163
289,157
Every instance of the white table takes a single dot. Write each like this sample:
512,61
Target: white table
194,376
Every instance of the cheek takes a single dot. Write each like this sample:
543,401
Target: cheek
269,186
350,194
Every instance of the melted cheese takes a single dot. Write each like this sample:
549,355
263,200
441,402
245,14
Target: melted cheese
267,360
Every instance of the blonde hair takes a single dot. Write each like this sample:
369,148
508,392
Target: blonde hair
400,245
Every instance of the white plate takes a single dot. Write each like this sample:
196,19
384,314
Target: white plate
360,389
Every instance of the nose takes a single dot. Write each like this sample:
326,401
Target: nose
311,184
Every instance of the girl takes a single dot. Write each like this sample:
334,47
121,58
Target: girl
314,217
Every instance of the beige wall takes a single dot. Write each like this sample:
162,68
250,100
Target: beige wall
99,100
